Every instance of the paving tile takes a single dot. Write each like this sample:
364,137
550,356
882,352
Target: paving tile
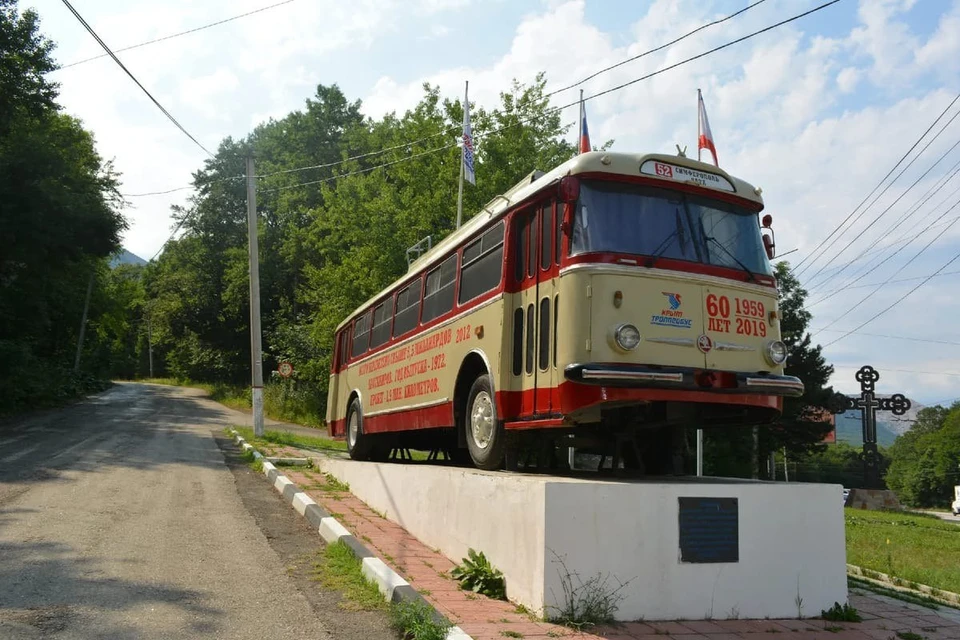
703,626
671,628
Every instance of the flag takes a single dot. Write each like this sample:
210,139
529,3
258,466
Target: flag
584,132
705,140
467,160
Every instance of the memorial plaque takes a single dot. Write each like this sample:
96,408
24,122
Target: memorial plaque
709,530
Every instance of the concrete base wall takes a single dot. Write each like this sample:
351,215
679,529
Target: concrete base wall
791,537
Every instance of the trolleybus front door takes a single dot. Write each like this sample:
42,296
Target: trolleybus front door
535,270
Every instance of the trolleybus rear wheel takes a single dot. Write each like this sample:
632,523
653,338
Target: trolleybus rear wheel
358,445
485,434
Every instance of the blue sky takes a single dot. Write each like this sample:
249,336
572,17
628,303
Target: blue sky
815,112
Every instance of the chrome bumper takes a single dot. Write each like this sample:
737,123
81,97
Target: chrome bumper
683,378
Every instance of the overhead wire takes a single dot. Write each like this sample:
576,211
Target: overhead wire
177,35
904,266
453,130
586,98
132,77
799,268
903,246
896,200
898,301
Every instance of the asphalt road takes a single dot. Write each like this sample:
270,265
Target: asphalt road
130,515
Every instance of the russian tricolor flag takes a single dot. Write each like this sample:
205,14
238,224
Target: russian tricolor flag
584,132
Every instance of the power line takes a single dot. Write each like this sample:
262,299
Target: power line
898,301
182,33
577,102
904,246
898,198
882,335
799,267
650,51
901,280
132,77
905,265
882,368
453,130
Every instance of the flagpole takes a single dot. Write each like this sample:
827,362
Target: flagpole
698,124
466,105
580,125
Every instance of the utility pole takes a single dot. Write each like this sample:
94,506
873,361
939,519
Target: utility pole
83,323
150,339
256,359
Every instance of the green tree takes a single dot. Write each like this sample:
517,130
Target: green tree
60,215
925,461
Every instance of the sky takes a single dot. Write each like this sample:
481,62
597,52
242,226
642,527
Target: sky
815,112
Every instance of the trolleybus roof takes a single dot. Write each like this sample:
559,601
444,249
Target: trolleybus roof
669,169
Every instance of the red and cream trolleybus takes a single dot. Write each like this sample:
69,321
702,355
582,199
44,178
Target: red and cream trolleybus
606,305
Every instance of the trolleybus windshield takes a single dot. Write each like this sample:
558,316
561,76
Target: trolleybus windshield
613,217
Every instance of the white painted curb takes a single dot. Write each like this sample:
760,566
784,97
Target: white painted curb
373,568
386,578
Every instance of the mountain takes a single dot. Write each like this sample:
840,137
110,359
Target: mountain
889,426
125,257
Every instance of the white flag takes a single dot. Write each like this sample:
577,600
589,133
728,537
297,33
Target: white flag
467,157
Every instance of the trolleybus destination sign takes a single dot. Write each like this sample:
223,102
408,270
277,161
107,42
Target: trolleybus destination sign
683,174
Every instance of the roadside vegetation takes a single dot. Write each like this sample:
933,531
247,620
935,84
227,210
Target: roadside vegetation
61,220
910,548
317,443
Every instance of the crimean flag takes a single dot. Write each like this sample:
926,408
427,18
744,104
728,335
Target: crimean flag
705,140
584,131
468,171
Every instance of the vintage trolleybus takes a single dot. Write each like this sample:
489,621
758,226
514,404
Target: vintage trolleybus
606,304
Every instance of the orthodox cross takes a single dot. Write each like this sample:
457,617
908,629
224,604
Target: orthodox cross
869,404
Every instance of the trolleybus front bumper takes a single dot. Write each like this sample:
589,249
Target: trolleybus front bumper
684,378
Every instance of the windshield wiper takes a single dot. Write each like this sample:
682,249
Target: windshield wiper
677,233
750,274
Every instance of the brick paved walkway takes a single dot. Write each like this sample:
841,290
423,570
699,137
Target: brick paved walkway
485,619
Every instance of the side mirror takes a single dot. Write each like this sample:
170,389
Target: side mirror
569,189
769,241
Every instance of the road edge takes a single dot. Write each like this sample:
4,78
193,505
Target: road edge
392,586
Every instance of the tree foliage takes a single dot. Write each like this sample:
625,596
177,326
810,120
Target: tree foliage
332,235
60,215
925,461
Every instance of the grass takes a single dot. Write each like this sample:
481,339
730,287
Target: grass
337,568
923,601
416,621
291,439
914,549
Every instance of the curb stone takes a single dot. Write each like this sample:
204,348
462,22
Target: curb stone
392,586
941,596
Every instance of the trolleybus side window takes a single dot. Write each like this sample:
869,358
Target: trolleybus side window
408,308
518,341
482,264
382,317
521,223
530,346
558,231
544,347
532,248
361,335
546,238
438,292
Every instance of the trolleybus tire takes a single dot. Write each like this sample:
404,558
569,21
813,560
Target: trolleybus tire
358,445
486,438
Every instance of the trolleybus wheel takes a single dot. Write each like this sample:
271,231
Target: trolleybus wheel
486,439
358,445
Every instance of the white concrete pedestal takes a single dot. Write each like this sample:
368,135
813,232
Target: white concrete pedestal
790,537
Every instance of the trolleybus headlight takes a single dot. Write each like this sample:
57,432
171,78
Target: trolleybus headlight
627,337
776,352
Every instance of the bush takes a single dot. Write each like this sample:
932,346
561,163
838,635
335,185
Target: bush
417,621
478,575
